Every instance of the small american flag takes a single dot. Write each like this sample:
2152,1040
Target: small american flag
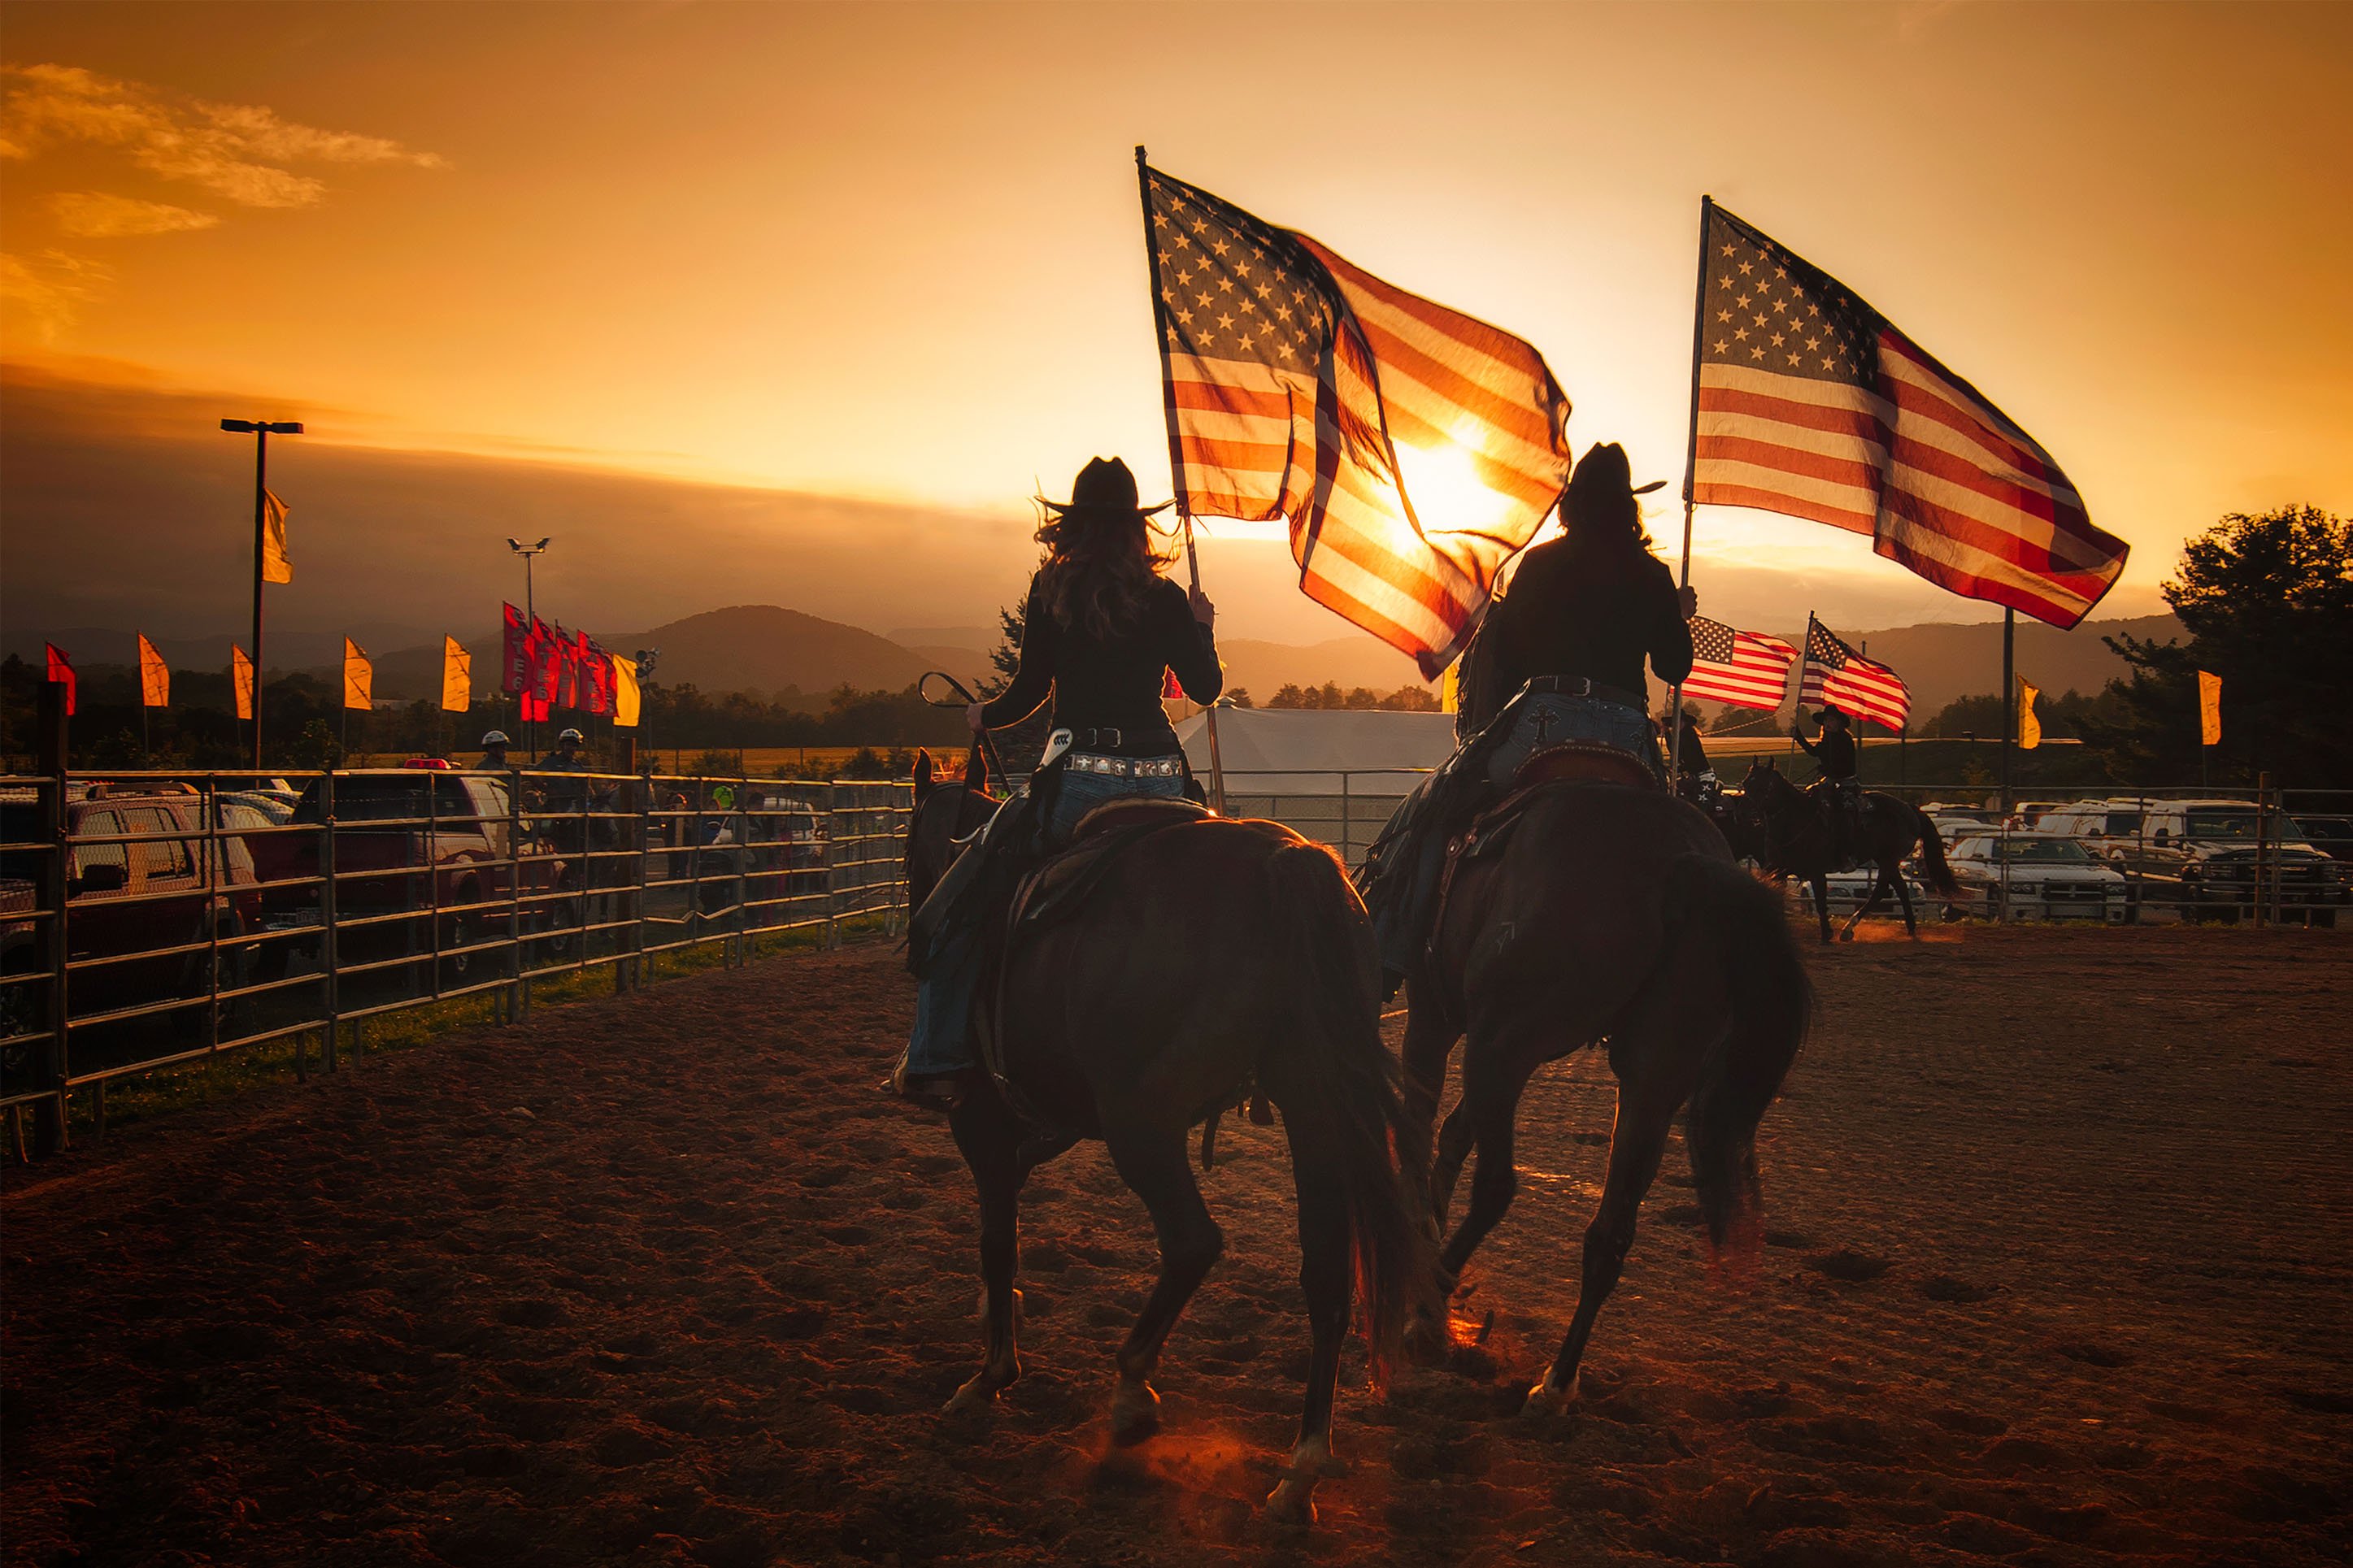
1843,678
1747,669
1410,448
1811,404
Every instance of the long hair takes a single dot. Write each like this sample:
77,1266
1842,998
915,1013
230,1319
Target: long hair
1604,533
1099,566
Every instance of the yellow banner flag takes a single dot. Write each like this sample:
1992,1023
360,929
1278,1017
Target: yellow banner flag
1450,689
457,676
277,566
625,692
359,676
2030,726
2209,708
155,676
240,676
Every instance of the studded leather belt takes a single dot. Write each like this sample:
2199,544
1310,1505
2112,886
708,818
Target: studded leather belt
1126,767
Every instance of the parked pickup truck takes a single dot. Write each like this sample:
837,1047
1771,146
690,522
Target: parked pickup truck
451,832
2210,849
2049,878
152,903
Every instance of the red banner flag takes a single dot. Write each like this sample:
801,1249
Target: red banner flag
544,662
567,668
598,685
61,671
515,652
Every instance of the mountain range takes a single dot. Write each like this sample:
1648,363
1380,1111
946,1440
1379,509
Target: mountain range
798,658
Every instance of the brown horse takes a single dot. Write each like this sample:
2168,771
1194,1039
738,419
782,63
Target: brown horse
1208,952
1787,834
1612,914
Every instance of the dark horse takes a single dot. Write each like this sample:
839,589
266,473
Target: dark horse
1612,914
1209,952
1789,835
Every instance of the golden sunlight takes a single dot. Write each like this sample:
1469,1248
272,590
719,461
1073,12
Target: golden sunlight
1446,494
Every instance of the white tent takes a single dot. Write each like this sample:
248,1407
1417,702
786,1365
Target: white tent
1296,751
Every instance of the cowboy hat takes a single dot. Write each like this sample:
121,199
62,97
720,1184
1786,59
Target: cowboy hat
1104,485
1604,471
1829,713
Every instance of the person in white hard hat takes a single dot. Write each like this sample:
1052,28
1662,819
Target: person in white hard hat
494,750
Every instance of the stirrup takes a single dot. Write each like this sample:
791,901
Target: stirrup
942,1091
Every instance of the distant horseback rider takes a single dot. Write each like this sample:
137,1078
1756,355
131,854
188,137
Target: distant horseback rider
1838,793
1558,660
1100,627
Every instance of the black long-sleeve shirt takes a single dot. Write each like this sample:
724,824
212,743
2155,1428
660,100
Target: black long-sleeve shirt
1112,683
1834,751
1566,615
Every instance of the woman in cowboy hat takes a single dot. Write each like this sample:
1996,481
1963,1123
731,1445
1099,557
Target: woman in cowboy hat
1100,627
1583,614
1837,791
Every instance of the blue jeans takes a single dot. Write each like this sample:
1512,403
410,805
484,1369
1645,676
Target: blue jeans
1546,718
942,1042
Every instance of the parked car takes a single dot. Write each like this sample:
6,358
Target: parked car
2100,824
2050,878
152,903
777,842
1953,820
2210,849
453,836
1845,891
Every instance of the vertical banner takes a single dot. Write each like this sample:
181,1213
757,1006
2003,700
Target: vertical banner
61,671
2029,725
567,668
240,679
457,676
625,692
359,676
155,676
544,662
2209,708
514,651
277,566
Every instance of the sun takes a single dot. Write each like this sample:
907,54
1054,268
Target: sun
1446,492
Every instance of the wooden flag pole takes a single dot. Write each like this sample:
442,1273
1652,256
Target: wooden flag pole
1691,468
2008,708
1805,657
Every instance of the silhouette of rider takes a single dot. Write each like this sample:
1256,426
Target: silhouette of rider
1101,625
1836,791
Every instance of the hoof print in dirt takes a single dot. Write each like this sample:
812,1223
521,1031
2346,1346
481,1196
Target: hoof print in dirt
1957,1292
1849,1267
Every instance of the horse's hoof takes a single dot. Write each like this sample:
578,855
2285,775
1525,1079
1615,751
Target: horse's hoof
978,1392
1846,936
1291,1502
1134,1413
1545,1400
1426,1341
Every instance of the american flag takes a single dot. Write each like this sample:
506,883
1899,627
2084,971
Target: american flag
1410,448
1747,669
1837,675
1810,404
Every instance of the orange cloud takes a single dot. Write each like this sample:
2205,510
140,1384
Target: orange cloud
95,215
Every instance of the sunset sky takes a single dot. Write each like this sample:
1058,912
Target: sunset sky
893,252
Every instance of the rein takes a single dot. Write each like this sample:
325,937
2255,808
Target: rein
983,753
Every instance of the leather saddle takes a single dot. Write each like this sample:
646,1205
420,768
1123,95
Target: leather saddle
1579,762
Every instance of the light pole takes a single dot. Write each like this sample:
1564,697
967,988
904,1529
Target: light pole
260,430
531,614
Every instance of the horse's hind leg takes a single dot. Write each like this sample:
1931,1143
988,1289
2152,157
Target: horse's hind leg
1822,904
1150,1159
1429,1043
992,1147
1645,1112
1904,896
1326,1274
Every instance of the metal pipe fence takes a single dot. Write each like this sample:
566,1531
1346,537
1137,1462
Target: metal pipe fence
150,919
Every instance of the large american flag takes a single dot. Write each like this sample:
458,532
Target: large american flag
1747,669
1810,404
1837,675
1302,388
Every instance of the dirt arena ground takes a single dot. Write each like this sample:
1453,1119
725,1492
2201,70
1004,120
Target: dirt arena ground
2060,1271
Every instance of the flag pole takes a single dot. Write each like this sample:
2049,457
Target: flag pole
1176,452
2009,706
1805,657
1691,467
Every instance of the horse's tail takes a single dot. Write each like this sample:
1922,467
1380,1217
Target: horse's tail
1934,869
1339,1086
1771,1003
